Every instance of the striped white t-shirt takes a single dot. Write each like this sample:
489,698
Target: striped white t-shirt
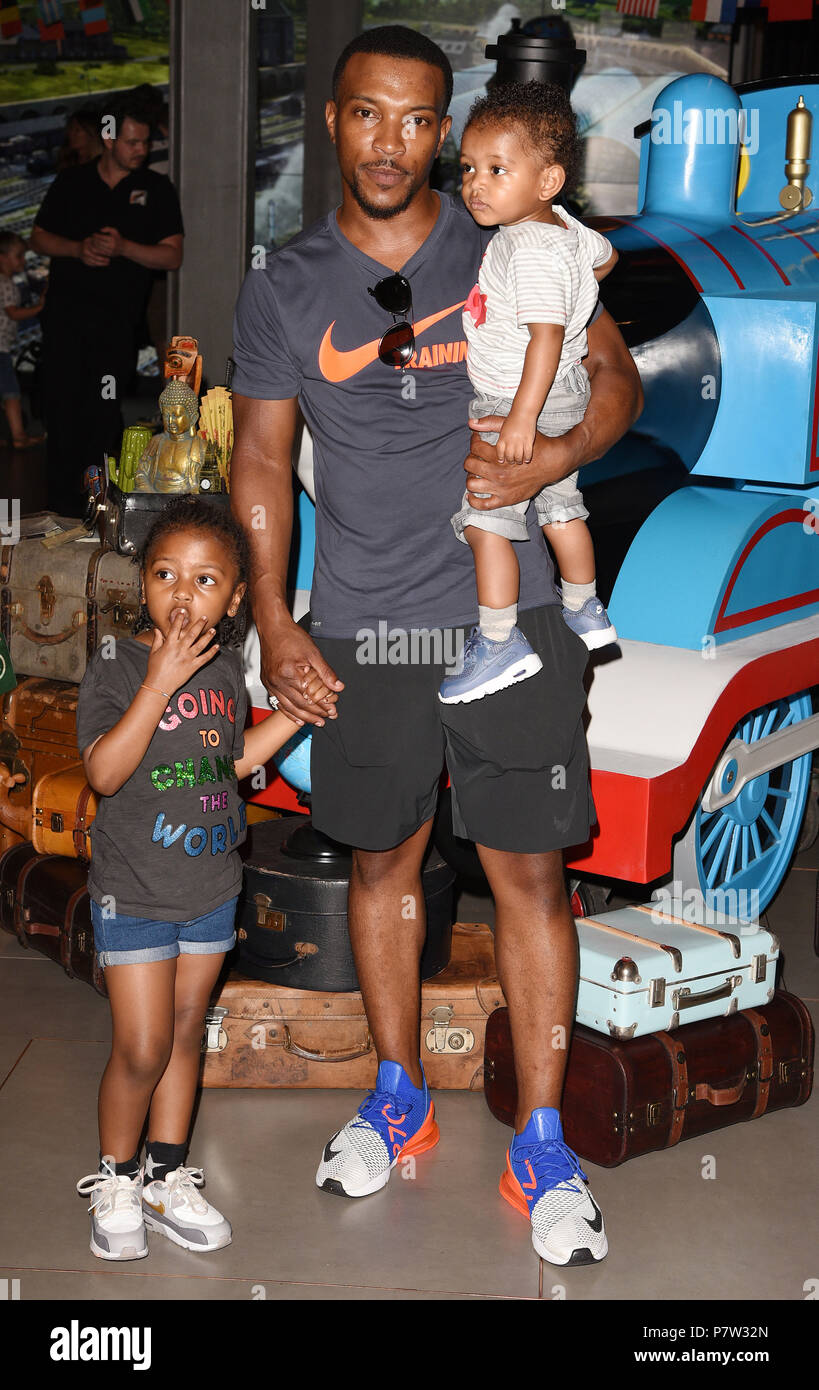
533,272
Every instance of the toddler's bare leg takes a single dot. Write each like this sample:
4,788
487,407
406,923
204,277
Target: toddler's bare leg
572,545
496,568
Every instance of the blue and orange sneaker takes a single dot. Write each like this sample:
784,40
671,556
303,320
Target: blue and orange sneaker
544,1180
395,1120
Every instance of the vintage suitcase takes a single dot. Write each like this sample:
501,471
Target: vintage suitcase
125,518
292,917
261,1035
52,913
12,863
642,970
38,735
623,1098
63,809
57,604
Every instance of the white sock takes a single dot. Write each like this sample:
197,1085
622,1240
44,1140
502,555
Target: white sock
575,595
497,623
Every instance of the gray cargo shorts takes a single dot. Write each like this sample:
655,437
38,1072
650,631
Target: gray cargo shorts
561,501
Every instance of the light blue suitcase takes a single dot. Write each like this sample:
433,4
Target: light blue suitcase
644,971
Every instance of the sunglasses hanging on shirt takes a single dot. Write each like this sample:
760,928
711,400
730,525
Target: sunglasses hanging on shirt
394,294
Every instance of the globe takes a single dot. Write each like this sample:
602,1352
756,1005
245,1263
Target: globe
293,760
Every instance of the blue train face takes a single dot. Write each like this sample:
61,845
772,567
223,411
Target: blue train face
716,290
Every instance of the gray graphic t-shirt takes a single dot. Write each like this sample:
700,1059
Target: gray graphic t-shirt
165,844
389,443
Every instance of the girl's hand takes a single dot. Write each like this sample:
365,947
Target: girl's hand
175,658
315,689
515,441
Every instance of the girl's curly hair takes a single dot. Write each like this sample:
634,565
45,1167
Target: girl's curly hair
542,113
191,513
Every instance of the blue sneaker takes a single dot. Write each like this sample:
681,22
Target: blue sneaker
544,1180
395,1120
591,623
487,666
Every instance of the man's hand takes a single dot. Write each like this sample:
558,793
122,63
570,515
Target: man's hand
616,401
290,662
109,242
508,483
90,252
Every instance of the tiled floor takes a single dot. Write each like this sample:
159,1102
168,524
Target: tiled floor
746,1234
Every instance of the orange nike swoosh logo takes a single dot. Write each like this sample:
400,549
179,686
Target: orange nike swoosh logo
157,1206
338,366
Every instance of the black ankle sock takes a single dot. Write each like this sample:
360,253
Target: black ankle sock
161,1159
129,1169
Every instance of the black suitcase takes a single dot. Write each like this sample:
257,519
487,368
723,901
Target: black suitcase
52,913
292,917
12,863
127,517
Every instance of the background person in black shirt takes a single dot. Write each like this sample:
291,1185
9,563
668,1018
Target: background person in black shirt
108,226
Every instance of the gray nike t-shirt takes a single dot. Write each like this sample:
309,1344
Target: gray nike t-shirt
389,443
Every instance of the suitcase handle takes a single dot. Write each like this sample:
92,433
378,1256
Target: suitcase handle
43,639
684,999
290,1046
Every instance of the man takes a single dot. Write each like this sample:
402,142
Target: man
108,226
389,447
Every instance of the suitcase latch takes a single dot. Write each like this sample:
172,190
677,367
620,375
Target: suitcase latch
122,613
267,916
759,968
215,1039
654,1113
56,821
656,993
48,598
444,1038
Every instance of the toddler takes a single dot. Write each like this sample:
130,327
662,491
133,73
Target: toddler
525,323
13,262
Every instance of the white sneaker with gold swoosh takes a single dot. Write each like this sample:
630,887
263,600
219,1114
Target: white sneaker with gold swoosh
175,1208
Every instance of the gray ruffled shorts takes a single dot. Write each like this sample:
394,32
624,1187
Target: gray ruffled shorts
561,501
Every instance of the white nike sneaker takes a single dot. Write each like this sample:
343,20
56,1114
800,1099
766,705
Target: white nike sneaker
117,1225
175,1208
545,1182
393,1121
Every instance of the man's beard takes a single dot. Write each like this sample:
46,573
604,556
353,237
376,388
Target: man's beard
373,210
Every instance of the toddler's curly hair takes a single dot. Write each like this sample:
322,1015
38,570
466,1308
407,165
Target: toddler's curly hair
192,513
542,113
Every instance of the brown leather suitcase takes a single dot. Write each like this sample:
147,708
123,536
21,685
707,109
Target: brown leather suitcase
63,810
52,913
38,735
12,863
264,1035
623,1098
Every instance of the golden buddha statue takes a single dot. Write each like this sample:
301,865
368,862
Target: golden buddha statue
172,461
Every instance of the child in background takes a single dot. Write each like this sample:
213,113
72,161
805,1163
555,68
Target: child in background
160,724
13,262
525,323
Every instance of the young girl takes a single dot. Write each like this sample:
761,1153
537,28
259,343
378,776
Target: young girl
525,324
161,727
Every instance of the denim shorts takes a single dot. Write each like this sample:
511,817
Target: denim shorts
124,940
9,385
